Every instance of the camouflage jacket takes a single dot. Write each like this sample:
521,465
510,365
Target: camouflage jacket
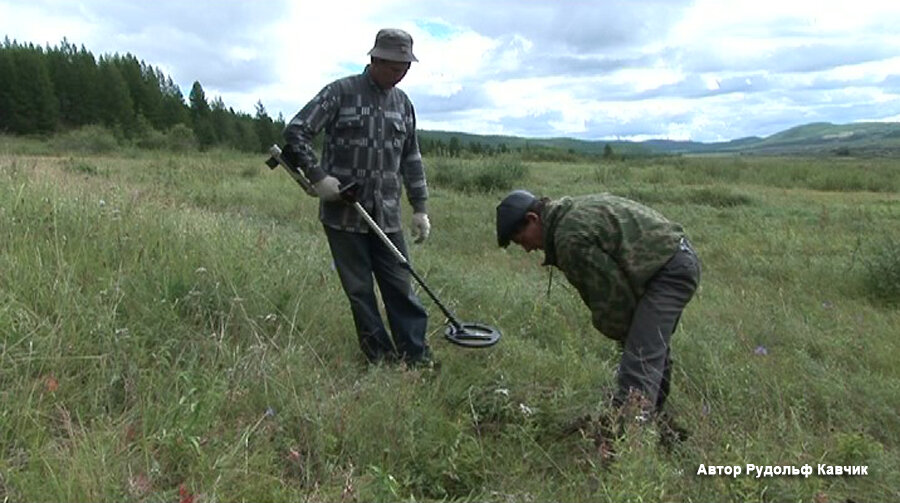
608,248
370,137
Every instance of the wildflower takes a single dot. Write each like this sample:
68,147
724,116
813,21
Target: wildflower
525,410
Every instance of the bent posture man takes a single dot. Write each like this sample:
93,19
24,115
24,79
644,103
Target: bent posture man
370,138
634,269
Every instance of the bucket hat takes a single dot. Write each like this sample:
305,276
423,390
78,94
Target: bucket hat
393,45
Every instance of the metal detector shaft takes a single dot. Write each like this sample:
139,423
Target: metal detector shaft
405,263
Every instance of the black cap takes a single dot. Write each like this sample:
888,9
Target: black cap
510,213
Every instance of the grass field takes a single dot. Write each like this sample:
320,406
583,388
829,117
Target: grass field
171,329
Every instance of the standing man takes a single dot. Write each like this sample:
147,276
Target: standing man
635,270
370,138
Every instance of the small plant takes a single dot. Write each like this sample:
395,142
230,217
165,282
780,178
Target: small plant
379,485
856,448
719,197
82,167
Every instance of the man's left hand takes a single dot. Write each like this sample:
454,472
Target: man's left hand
421,227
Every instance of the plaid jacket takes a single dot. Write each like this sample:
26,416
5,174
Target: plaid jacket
370,137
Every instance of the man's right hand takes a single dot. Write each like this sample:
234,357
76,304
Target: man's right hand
328,189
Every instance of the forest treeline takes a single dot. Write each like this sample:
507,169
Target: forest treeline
50,90
47,90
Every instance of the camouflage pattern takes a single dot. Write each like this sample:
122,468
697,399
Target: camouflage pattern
608,247
370,137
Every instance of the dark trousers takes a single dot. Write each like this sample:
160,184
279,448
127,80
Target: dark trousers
360,256
646,365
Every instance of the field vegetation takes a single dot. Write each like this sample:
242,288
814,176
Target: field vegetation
171,329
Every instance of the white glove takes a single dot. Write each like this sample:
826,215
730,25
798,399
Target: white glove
421,227
328,189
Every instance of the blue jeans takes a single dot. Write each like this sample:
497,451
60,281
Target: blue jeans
358,257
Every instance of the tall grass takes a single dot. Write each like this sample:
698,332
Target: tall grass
171,327
824,174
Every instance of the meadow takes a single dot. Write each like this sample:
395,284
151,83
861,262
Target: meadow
171,329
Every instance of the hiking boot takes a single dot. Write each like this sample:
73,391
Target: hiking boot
670,432
424,362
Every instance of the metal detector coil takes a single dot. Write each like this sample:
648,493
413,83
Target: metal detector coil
471,335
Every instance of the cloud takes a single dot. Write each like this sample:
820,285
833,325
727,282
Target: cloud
577,27
891,83
703,69
466,98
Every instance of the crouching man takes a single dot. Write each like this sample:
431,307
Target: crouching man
634,269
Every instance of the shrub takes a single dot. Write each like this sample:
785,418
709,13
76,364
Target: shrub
719,197
87,140
883,271
180,138
152,140
81,167
485,175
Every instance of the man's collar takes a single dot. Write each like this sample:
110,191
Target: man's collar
375,87
549,243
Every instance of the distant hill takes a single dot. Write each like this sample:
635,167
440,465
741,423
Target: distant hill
820,138
869,138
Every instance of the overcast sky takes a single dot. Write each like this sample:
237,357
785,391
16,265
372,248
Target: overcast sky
705,70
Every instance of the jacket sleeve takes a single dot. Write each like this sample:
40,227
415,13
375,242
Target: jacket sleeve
600,283
411,167
300,131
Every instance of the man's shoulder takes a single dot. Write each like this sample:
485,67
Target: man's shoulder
579,209
350,81
571,219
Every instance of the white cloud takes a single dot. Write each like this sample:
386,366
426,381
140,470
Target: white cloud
447,63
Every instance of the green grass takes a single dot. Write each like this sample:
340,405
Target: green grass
171,323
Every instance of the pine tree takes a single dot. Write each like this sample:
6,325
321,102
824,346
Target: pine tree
28,91
455,147
200,116
117,108
173,109
267,132
75,83
8,100
607,151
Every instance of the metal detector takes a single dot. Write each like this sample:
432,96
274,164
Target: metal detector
466,334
